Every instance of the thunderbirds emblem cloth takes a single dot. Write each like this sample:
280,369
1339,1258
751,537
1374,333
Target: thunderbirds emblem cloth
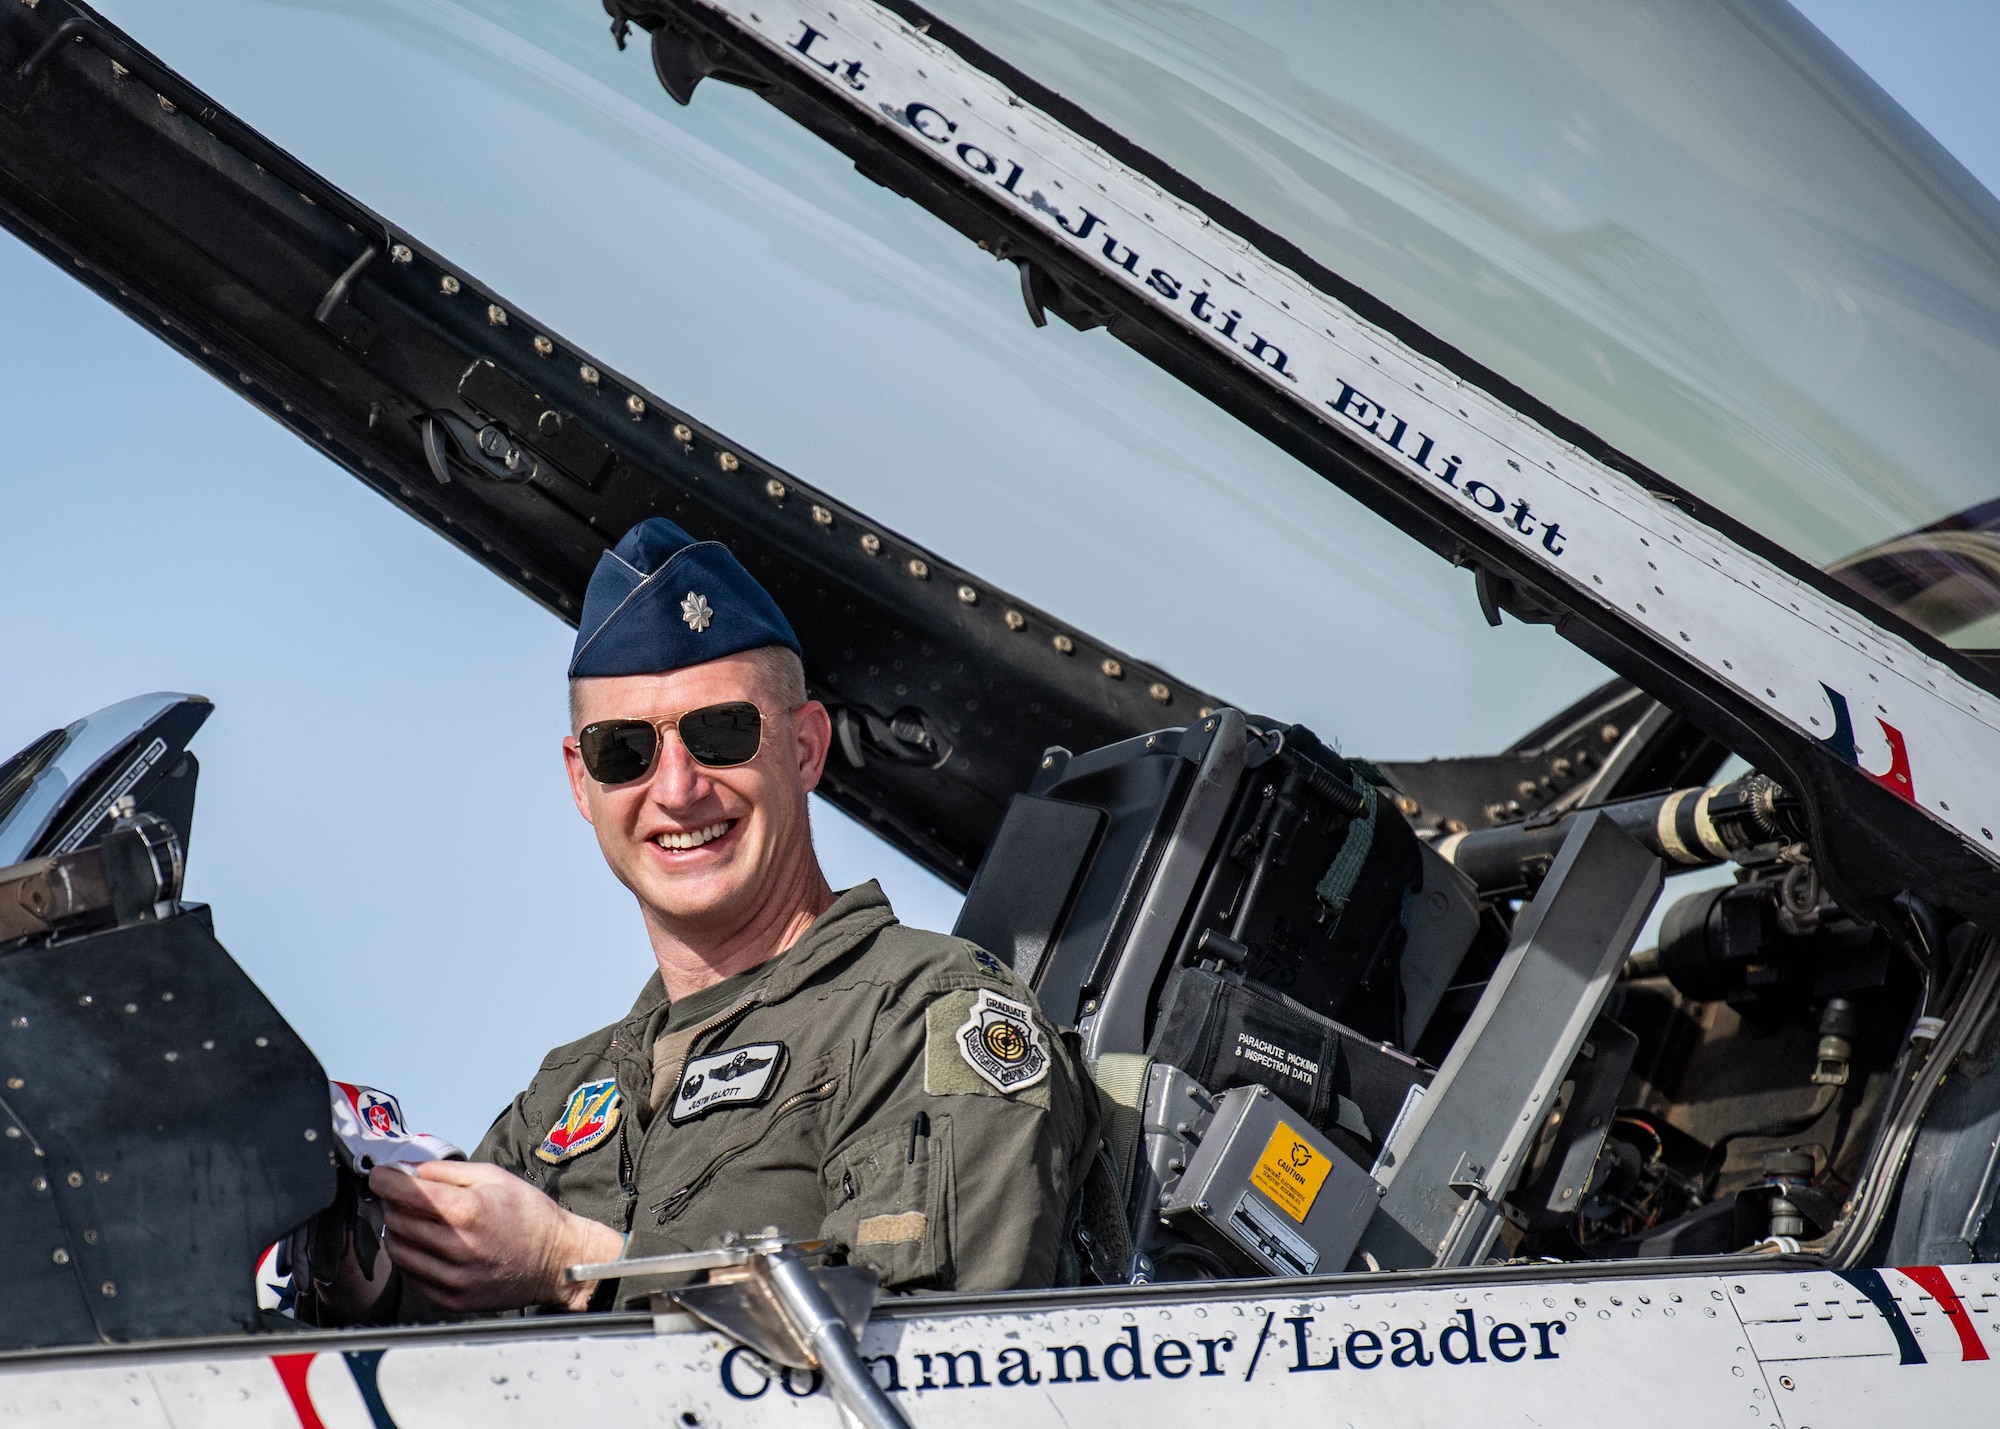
1001,1043
369,1129
735,1076
661,600
588,1117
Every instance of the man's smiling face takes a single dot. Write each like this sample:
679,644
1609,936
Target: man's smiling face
703,849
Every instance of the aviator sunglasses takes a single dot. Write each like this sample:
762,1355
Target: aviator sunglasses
618,751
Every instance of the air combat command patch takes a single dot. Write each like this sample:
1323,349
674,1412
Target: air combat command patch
588,1117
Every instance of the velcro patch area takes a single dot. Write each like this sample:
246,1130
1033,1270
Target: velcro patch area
892,1230
977,1042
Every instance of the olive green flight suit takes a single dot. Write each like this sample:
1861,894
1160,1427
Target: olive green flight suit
893,1090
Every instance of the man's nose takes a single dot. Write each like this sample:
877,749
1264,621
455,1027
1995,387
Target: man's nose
677,780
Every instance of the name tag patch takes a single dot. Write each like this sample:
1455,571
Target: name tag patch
1001,1043
735,1076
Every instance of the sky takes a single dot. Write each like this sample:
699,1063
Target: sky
434,930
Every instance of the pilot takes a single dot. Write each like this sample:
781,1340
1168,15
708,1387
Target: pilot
800,1059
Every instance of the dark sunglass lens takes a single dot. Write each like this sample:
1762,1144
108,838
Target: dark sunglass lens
618,750
722,735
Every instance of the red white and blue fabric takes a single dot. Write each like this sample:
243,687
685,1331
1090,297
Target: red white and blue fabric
588,1117
369,1129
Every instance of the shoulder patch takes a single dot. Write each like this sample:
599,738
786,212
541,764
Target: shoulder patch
735,1076
979,1041
588,1117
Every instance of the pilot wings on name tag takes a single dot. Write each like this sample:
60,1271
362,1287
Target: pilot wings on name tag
735,1076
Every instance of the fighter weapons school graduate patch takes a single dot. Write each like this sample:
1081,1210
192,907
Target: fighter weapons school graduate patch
588,1117
735,1076
985,1043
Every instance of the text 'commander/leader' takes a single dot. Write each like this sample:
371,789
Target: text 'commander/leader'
800,1059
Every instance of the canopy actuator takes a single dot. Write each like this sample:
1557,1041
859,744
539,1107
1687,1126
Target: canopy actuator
1687,828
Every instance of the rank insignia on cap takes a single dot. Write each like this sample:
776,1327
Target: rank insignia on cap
588,1117
1001,1043
633,623
735,1076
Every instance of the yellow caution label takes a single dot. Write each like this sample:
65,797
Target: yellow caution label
1290,1172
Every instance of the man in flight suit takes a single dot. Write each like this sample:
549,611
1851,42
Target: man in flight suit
800,1059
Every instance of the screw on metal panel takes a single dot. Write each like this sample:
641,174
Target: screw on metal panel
116,68
727,461
166,997
967,595
209,1045
871,543
1204,712
1609,734
822,516
109,1290
588,373
90,1237
636,405
75,1178
39,1184
61,1256
683,433
263,1041
13,1133
173,1056
168,105
919,568
1408,806
311,1135
448,284
1160,692
1016,620
1112,669
103,1177
400,253
1049,762
14,1084
543,347
131,1007
1064,645
775,489
496,315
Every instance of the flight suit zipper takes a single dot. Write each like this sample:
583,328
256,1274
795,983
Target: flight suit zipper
625,1181
672,1205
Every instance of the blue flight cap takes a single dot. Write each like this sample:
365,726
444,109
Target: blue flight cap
661,600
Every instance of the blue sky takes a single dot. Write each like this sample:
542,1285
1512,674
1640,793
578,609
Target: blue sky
434,932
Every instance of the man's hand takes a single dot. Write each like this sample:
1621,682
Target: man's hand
477,1237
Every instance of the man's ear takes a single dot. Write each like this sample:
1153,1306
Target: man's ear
813,729
579,787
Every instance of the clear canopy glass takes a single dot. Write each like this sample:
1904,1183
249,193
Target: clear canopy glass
739,267
1691,225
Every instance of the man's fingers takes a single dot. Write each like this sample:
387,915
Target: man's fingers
438,1237
461,1173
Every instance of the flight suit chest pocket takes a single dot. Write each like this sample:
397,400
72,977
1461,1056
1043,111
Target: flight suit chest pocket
890,1195
783,1135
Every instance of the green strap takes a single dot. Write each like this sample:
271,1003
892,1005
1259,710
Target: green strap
1338,884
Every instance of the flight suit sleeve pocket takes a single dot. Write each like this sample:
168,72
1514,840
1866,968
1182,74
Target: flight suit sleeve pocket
889,1198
